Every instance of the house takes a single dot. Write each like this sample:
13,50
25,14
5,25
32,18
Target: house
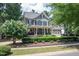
57,30
39,24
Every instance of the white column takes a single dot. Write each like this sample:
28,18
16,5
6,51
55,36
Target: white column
47,30
34,22
47,23
36,31
44,31
30,22
42,23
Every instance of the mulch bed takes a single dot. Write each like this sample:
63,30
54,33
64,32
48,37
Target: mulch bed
20,45
38,44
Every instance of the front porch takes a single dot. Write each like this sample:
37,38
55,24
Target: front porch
39,31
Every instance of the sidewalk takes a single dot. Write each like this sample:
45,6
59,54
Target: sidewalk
9,42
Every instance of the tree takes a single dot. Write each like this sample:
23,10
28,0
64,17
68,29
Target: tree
67,14
10,11
14,11
14,29
2,13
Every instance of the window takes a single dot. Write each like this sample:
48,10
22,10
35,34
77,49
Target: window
36,22
39,22
44,23
57,31
32,22
29,22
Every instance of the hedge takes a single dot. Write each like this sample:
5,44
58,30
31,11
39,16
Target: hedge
69,39
5,50
48,39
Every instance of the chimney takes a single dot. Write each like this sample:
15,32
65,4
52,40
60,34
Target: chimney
33,11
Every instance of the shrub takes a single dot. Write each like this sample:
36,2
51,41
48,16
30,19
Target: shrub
39,39
26,40
69,39
5,50
49,39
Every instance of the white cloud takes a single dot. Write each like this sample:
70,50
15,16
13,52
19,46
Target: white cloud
38,7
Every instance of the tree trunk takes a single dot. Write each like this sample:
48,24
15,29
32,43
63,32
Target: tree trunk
14,40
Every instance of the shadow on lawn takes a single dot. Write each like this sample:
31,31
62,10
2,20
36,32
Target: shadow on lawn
73,46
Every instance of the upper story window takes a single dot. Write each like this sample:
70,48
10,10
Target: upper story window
45,23
35,22
32,22
39,22
29,22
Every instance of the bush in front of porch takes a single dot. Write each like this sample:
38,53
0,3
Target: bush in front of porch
50,39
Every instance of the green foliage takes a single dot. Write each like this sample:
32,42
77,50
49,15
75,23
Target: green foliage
13,28
39,39
10,11
49,39
5,50
69,39
14,11
67,14
2,13
76,31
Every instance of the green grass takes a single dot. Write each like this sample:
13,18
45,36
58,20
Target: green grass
38,50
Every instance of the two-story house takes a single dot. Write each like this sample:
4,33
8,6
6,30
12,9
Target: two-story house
39,24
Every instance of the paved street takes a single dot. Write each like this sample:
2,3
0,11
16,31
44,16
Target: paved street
68,54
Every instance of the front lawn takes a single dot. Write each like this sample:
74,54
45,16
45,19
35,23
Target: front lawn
38,50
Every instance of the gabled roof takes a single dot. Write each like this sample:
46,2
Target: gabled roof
34,15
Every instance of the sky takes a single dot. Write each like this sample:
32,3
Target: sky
38,7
